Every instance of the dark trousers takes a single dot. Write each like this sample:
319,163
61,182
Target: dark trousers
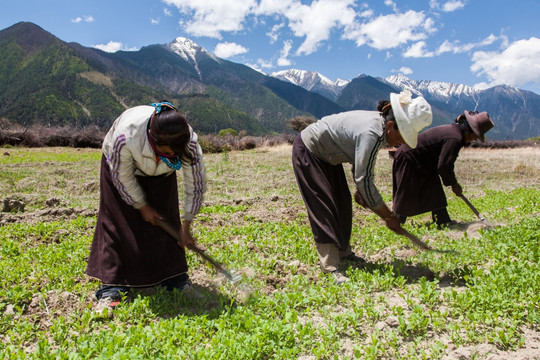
326,195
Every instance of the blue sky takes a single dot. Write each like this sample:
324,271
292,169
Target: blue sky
474,42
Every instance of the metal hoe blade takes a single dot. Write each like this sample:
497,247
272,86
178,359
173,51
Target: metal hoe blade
480,217
415,240
169,229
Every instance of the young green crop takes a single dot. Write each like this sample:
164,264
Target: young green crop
477,288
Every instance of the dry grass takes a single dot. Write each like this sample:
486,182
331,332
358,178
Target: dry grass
261,175
502,169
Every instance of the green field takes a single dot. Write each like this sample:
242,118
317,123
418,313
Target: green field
476,297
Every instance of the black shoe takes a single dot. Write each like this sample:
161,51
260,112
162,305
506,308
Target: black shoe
441,217
450,224
354,258
177,282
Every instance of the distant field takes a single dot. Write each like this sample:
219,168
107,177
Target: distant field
476,297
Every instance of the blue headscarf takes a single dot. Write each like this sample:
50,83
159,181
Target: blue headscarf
158,106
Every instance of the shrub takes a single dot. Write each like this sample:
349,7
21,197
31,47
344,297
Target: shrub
39,136
299,123
227,132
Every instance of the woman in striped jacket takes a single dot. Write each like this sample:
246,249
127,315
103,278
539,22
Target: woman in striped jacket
138,186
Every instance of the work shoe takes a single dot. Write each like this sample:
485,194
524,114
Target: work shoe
177,282
452,225
105,306
352,257
339,277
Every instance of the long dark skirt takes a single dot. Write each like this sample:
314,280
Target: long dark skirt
126,249
415,190
326,194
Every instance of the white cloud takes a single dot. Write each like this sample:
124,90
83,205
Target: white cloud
271,7
481,86
312,22
434,4
283,61
154,21
264,64
517,65
366,13
210,18
405,70
316,21
391,4
418,50
167,12
227,49
113,46
453,5
87,18
457,48
273,33
390,31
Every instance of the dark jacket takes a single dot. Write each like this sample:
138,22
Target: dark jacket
417,173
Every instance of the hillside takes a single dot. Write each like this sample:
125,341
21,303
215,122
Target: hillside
46,81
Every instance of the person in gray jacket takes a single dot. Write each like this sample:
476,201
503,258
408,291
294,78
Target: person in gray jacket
353,137
142,151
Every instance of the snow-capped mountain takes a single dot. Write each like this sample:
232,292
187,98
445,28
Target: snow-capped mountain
436,89
190,51
514,111
312,81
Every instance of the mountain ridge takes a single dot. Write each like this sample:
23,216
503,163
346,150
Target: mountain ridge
312,81
61,80
515,111
44,80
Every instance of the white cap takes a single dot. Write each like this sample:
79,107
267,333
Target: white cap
412,115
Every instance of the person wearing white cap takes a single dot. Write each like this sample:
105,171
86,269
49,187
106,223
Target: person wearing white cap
353,137
417,172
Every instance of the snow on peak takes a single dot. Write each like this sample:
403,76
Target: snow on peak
188,49
307,79
442,90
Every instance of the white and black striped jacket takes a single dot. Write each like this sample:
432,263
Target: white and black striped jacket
129,154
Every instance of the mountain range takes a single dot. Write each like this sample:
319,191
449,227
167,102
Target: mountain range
514,111
46,81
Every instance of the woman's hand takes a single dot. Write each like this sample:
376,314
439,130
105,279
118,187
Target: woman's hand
149,214
391,221
393,224
360,200
456,188
187,239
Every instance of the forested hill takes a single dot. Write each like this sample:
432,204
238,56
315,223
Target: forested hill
44,80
